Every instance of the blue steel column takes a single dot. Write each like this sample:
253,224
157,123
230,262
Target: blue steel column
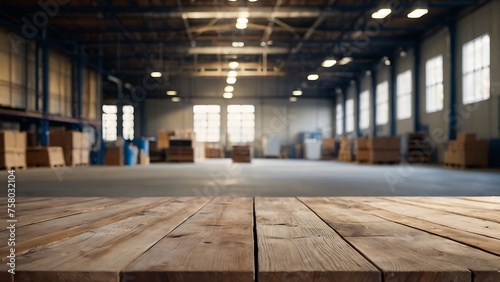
44,136
358,100
416,88
392,97
374,103
344,116
452,133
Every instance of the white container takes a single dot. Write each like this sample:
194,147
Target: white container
312,149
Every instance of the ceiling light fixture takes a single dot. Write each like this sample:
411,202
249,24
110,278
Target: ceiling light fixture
227,95
297,92
328,63
233,65
382,12
252,0
156,74
293,99
171,93
419,10
229,88
386,61
238,44
313,77
232,74
345,61
231,80
176,99
241,25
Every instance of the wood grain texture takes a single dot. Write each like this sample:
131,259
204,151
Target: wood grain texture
215,244
469,224
448,205
408,254
100,254
46,232
296,245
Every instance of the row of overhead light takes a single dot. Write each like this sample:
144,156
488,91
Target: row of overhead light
419,10
231,80
157,74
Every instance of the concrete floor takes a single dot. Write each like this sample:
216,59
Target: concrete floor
264,177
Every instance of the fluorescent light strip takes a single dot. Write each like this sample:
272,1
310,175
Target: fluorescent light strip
417,13
381,13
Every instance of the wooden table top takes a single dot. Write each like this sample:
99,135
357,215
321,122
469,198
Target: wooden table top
245,239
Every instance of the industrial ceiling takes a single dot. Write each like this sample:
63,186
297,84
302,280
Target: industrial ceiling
132,38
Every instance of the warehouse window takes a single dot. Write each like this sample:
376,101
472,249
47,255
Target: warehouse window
382,103
364,110
434,93
339,118
110,122
476,70
206,123
404,95
349,115
241,123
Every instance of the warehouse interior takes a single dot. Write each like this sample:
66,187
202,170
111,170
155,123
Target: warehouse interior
357,125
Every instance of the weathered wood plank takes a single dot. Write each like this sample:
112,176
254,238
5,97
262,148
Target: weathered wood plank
23,208
493,200
296,245
46,232
470,224
215,244
443,204
414,255
62,211
100,254
472,239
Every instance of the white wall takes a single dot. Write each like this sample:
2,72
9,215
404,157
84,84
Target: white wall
403,64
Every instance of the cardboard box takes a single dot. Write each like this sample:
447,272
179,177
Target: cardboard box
471,158
163,139
144,158
452,146
8,159
362,144
45,156
362,155
8,140
70,139
384,143
241,154
114,156
385,156
180,154
21,139
475,145
450,157
466,137
328,143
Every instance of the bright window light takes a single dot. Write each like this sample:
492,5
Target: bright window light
313,77
241,123
297,93
381,13
328,63
206,123
231,80
233,65
417,13
156,74
228,95
229,88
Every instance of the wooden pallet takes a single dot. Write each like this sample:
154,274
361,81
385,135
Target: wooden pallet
243,239
13,168
463,166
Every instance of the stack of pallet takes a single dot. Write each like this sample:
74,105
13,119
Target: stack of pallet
345,152
362,151
45,157
241,154
12,149
328,148
213,151
415,148
75,145
467,151
384,150
180,150
156,154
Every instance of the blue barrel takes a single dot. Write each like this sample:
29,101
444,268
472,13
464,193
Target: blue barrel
128,156
142,145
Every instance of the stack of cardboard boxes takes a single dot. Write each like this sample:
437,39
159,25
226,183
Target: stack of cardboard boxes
180,150
45,157
213,151
345,152
328,148
415,148
384,150
241,154
467,151
75,145
362,151
12,149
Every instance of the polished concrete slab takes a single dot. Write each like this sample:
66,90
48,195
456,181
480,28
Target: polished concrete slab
263,177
